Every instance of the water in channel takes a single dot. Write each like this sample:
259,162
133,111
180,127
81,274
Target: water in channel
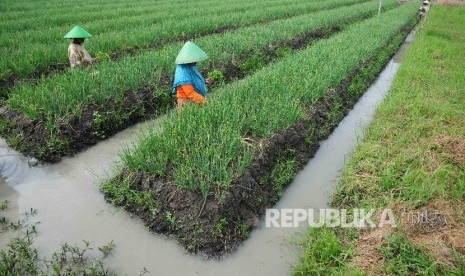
71,208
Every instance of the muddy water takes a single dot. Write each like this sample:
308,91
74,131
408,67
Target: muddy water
400,53
71,208
12,213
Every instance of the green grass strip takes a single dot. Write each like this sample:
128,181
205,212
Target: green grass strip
404,156
210,144
324,254
403,159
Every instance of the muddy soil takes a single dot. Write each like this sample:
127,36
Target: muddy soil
96,122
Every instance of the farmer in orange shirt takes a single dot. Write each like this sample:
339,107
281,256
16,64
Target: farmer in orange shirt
189,85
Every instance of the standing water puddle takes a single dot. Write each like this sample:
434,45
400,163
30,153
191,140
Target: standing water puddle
71,207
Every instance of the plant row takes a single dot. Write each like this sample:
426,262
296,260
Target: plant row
272,139
57,11
98,13
48,48
140,85
51,8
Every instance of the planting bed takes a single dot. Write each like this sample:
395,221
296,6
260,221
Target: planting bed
206,178
67,112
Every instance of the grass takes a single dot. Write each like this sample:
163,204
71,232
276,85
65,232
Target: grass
403,156
324,254
412,154
403,258
123,194
222,128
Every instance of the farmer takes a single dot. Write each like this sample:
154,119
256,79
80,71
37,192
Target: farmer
77,55
424,8
189,85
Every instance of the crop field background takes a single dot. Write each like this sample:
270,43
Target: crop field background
57,96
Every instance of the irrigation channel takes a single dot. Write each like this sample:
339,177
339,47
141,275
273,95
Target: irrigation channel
71,208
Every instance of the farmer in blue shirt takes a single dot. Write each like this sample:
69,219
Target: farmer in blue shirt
189,85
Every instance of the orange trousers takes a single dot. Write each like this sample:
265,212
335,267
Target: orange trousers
186,92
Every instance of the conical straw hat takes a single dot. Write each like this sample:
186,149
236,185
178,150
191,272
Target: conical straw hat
78,32
190,53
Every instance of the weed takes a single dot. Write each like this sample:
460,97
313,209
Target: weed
170,218
21,258
102,56
283,52
219,227
4,205
402,258
324,254
245,230
282,174
217,77
121,194
256,61
99,122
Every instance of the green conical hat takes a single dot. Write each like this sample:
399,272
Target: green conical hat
190,53
78,32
